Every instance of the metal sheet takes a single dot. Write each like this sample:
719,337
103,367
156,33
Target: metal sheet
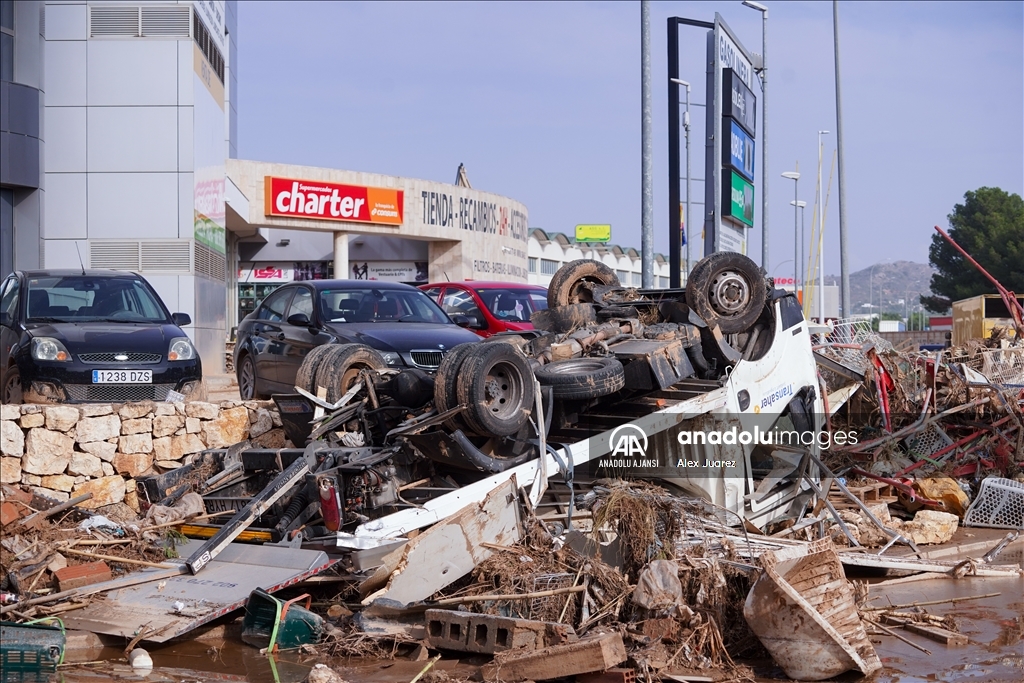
224,586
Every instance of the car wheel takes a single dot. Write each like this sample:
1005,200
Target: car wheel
304,378
564,318
12,386
495,382
569,284
727,289
340,368
446,394
582,378
247,379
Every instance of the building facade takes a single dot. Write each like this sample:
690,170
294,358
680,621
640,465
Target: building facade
138,101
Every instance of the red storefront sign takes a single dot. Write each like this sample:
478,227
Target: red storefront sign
325,201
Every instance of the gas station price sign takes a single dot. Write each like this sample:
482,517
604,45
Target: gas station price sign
738,102
738,202
737,149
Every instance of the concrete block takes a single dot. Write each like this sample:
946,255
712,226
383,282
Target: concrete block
490,634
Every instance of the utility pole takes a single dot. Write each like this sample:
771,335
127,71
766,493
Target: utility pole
647,153
844,272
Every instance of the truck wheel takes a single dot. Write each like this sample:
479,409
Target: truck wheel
445,393
569,283
310,364
581,378
564,318
340,368
728,289
496,383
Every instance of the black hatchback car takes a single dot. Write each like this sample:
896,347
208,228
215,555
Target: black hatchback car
92,335
399,321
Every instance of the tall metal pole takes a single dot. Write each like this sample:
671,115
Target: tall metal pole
844,273
647,153
686,222
764,139
821,237
795,177
803,255
674,234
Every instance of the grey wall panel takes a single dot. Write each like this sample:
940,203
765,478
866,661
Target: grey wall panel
66,206
22,109
133,205
128,72
67,22
28,44
27,218
65,130
132,139
59,253
66,73
185,215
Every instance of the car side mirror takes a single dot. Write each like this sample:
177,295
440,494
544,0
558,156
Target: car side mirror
298,319
462,320
181,319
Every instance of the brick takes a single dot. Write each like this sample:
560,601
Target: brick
82,575
591,654
490,634
9,512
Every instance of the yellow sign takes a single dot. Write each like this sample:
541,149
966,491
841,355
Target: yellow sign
593,233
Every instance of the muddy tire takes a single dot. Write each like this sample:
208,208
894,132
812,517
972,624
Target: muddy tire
728,289
582,378
496,383
310,364
340,368
445,390
246,375
12,386
569,283
564,318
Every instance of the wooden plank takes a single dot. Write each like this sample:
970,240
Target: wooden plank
588,655
936,633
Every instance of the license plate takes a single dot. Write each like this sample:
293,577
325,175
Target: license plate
122,376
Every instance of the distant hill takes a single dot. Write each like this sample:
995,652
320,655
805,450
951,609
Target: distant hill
892,282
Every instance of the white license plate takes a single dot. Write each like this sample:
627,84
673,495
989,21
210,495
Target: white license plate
122,376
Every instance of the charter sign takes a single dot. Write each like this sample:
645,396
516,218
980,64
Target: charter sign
319,200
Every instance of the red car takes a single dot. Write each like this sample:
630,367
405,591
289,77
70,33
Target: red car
490,307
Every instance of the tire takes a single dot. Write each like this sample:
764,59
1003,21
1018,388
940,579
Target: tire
727,289
564,318
340,367
568,285
445,382
496,383
12,393
246,374
310,364
581,378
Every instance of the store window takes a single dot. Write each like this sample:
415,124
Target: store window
548,267
533,264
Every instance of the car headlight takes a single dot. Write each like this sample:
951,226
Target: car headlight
181,349
48,348
391,357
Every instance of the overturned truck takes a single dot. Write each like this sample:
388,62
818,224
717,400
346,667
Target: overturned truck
712,389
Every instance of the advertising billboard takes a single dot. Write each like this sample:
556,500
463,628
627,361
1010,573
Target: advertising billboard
738,101
738,203
738,150
321,200
593,233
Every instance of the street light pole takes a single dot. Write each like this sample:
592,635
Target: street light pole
647,150
764,127
795,177
803,257
821,238
686,215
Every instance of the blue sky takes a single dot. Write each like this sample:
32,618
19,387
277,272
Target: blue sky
541,101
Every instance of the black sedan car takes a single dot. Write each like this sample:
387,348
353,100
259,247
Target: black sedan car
399,321
92,335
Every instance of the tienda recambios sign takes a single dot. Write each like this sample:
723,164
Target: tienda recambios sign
325,201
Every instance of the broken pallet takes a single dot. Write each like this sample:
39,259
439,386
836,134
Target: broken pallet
874,492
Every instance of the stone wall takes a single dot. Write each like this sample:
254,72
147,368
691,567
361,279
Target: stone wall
60,451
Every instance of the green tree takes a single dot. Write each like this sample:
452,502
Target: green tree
989,225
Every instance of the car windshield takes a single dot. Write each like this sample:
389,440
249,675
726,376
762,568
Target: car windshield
372,305
78,298
513,304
